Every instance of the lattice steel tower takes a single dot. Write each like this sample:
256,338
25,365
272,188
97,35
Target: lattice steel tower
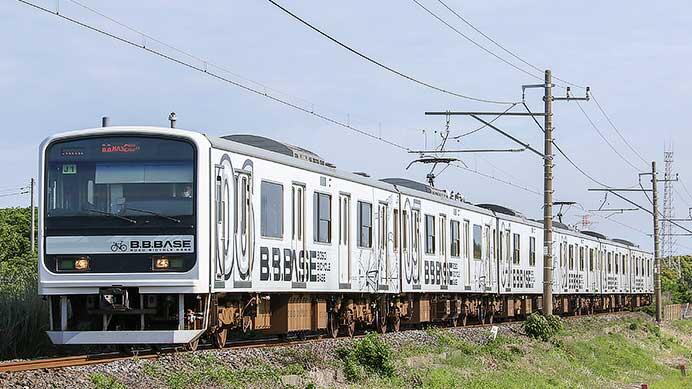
667,238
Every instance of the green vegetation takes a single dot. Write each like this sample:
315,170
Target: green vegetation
370,355
679,289
23,315
542,327
585,352
204,370
104,381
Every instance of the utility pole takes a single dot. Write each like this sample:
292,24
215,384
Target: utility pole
33,221
657,257
548,197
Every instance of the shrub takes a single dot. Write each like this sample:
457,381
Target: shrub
369,355
542,327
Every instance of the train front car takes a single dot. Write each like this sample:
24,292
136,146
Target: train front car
120,238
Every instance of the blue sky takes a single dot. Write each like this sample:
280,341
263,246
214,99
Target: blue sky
55,76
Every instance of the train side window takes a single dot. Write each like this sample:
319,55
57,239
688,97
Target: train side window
443,235
455,238
466,233
532,251
591,252
396,230
617,263
516,241
581,258
404,230
271,209
429,234
364,224
571,257
624,264
477,241
609,263
383,226
560,253
322,209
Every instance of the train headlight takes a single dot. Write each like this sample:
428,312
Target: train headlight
73,264
166,263
161,263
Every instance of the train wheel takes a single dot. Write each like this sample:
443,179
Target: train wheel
333,325
192,346
220,338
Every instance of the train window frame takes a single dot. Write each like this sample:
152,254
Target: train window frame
570,256
516,249
591,252
609,256
443,234
396,229
404,230
532,251
617,263
455,242
265,186
466,239
624,264
429,237
364,228
318,217
581,258
477,242
383,225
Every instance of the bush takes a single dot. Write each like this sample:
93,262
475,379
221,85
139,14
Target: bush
542,327
369,355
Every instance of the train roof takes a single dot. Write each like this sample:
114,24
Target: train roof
278,147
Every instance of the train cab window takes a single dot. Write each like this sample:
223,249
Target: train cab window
271,209
532,251
396,230
571,257
455,237
364,224
516,252
322,210
429,234
581,258
591,254
477,241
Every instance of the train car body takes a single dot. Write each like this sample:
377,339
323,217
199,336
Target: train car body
161,236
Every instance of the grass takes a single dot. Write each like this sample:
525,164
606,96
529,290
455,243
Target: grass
104,381
589,352
207,370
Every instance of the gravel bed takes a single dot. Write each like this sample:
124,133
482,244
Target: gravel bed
314,356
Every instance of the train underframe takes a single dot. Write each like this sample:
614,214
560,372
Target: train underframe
123,315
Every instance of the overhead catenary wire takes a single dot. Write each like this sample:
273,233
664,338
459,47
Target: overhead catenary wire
382,65
617,131
593,125
457,137
468,38
253,90
219,77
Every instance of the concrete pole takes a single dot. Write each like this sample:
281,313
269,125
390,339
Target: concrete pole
33,219
657,257
548,198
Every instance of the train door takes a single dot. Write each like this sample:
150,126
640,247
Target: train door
298,219
344,239
383,243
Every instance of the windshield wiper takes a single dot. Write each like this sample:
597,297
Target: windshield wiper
154,213
111,214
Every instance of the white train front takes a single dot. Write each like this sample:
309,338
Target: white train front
161,236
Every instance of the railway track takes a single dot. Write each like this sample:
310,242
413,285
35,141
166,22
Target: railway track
101,358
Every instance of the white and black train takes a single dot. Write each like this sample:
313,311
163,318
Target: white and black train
162,236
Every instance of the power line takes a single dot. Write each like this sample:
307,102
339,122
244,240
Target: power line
486,175
458,15
604,138
382,65
14,194
219,77
484,125
559,149
616,129
473,41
